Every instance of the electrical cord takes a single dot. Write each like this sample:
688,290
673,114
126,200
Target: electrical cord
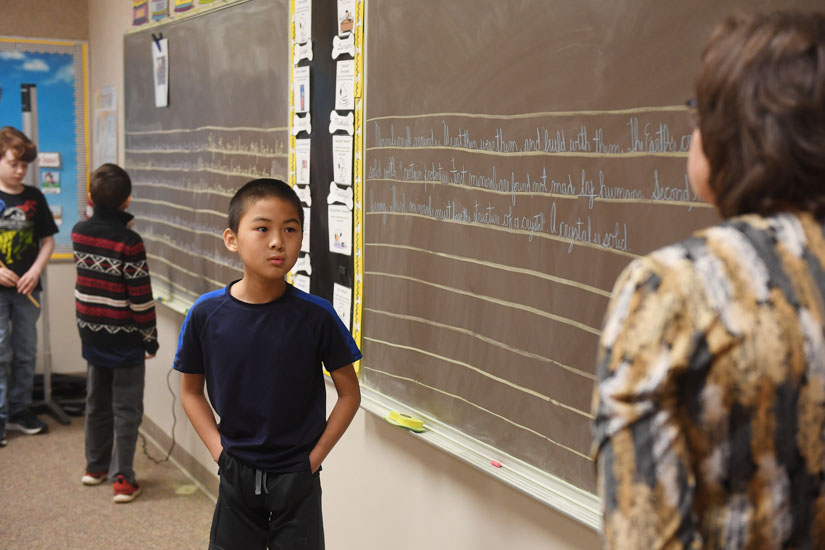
174,423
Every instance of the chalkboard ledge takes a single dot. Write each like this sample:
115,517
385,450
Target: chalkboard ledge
580,505
175,304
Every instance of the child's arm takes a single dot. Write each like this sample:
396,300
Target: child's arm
28,281
200,413
349,398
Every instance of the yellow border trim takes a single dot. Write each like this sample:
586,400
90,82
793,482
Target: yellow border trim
291,99
358,183
291,175
86,118
38,41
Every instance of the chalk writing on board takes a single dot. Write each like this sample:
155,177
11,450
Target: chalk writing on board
183,180
582,185
642,137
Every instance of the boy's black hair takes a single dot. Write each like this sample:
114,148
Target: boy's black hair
259,189
110,187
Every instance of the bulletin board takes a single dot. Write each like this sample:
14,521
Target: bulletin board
326,108
58,69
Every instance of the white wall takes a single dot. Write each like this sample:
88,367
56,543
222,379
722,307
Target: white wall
382,489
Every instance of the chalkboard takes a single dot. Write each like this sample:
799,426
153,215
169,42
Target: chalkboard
517,156
226,123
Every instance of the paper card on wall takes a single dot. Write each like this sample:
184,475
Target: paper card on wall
342,302
48,160
106,98
301,52
339,218
346,16
342,159
345,85
303,20
300,87
50,182
302,155
104,135
160,72
305,241
57,214
304,264
301,282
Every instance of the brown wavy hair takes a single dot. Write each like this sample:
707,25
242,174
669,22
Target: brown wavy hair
12,139
761,103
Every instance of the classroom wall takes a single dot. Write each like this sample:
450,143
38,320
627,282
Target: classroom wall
67,19
382,488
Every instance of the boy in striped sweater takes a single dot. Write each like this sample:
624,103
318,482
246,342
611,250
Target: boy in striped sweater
116,321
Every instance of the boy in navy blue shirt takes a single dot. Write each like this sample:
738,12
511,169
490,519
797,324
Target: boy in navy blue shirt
259,344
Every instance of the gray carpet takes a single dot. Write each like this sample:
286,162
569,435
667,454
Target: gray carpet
44,505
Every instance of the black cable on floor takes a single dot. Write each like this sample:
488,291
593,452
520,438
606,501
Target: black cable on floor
174,423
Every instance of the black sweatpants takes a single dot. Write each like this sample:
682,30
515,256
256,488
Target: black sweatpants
257,510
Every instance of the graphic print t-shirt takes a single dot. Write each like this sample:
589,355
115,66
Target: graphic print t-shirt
25,218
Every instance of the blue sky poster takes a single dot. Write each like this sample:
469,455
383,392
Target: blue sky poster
56,81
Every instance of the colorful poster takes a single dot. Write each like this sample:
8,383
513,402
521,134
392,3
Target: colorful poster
59,80
339,218
140,12
160,9
183,5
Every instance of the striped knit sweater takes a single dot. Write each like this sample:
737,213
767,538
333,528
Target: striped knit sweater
113,294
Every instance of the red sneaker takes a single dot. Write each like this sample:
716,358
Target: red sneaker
125,491
93,478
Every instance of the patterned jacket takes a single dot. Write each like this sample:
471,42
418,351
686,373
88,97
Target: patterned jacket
113,294
710,405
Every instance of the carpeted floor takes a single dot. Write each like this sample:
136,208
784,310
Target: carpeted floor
44,505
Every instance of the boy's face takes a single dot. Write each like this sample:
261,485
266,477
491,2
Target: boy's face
12,169
268,239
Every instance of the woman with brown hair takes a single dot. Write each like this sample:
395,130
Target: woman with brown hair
710,405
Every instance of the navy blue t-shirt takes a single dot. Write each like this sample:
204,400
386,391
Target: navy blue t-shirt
263,370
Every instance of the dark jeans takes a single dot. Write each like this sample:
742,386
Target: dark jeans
114,410
286,515
18,351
